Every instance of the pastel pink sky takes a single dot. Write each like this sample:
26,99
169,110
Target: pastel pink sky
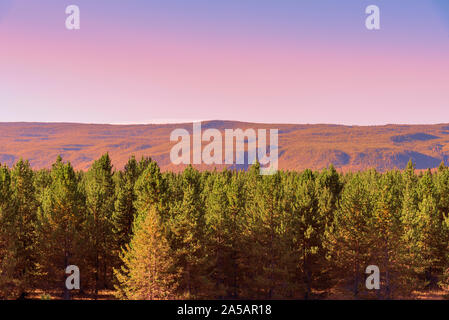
121,69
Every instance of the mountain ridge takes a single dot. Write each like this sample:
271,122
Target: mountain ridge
301,146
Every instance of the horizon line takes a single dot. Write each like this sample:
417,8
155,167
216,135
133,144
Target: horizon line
191,121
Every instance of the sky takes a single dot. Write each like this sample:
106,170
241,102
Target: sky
272,61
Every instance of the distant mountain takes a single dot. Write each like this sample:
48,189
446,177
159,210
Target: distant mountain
300,146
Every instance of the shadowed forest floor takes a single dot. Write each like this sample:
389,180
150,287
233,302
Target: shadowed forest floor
54,295
336,293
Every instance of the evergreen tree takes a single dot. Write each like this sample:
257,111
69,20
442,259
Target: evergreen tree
24,220
100,198
10,283
388,231
351,235
219,224
60,222
430,234
419,222
124,209
186,227
307,229
42,180
148,267
236,222
151,190
442,190
329,185
268,235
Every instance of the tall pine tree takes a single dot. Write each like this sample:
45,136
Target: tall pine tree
60,223
148,266
100,198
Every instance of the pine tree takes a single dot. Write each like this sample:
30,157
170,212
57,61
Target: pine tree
186,237
60,222
268,257
388,231
124,209
442,190
329,186
10,283
100,198
148,266
350,237
430,231
423,229
306,230
42,180
236,221
24,220
151,189
219,225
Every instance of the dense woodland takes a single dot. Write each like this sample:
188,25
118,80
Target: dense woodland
222,234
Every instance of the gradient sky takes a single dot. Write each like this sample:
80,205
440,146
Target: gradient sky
289,61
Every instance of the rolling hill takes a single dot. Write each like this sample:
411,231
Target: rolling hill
300,146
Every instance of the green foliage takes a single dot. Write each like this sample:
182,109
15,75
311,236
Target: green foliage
100,198
61,220
124,210
222,234
24,221
18,238
187,235
9,282
387,228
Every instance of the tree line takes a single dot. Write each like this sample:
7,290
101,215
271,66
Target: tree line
221,234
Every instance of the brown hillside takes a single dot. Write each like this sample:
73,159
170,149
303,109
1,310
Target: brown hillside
300,146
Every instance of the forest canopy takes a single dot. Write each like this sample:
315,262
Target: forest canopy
147,234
